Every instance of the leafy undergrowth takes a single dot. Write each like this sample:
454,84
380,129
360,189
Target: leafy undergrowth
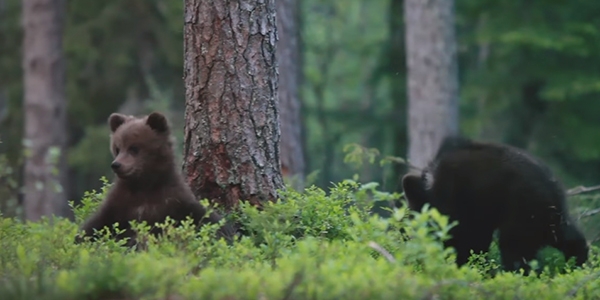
312,245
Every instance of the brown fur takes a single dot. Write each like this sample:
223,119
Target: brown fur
488,187
148,186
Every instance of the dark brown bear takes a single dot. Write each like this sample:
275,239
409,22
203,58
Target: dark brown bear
148,186
486,186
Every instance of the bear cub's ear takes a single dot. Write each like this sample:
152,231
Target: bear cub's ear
414,191
115,121
157,122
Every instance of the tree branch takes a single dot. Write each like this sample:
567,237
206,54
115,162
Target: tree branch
582,189
590,213
586,280
382,251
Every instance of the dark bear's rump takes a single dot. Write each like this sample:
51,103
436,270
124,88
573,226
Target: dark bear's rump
491,186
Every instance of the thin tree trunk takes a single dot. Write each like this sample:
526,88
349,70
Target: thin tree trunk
232,120
397,72
526,114
288,59
45,108
432,76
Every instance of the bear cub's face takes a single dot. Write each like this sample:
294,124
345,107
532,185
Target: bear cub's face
139,145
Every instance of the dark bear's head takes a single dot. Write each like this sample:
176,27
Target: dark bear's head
572,242
141,147
415,188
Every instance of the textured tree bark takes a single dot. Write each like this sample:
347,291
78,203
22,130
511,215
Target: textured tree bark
45,108
288,60
231,150
432,76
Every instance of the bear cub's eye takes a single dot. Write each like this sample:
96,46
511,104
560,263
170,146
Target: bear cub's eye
117,151
134,150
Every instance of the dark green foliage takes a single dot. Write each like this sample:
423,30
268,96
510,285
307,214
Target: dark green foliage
530,78
9,186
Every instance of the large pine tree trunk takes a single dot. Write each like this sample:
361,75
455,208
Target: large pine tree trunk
231,150
288,60
432,76
45,108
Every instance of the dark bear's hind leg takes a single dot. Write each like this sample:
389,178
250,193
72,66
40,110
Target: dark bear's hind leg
518,246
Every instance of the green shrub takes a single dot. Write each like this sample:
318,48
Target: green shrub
310,245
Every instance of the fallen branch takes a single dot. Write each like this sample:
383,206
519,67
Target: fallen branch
298,276
590,213
382,251
597,238
582,189
582,283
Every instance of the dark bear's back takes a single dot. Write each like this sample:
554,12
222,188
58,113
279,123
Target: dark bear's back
496,181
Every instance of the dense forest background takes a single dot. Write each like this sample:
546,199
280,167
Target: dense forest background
529,74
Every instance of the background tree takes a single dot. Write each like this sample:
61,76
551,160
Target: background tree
45,109
11,112
345,98
392,67
126,56
231,150
432,76
288,60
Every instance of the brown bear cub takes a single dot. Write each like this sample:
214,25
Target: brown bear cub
488,187
148,186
